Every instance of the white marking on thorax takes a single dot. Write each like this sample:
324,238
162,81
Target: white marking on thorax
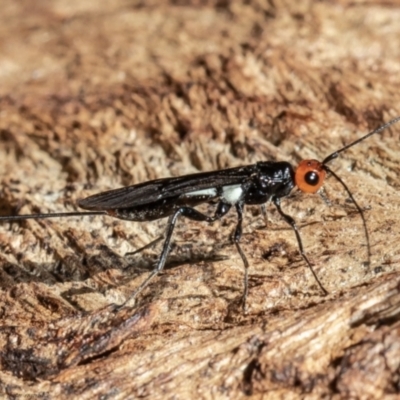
232,194
212,192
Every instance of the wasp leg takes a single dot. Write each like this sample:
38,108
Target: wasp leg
236,239
264,214
187,212
292,223
146,246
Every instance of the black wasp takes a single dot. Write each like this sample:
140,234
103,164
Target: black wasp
230,188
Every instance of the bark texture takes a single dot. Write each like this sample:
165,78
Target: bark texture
98,95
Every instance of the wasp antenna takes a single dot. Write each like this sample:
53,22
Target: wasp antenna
358,208
55,215
377,130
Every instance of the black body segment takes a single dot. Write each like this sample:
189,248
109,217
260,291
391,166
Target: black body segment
161,197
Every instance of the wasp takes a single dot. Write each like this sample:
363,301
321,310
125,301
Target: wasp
232,188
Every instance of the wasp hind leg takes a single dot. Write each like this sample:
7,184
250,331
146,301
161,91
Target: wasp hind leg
146,246
236,239
189,213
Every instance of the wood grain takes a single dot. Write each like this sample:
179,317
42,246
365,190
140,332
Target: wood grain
94,96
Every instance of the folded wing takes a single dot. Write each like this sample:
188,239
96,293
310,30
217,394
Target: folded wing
148,192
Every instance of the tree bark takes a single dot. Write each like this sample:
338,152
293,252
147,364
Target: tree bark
95,96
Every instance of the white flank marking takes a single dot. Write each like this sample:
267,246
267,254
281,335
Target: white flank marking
204,192
232,194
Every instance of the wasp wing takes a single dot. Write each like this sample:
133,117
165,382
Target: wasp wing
148,192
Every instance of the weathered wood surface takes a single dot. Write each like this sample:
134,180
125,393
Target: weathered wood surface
97,95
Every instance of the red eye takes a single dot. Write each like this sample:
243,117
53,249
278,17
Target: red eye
309,176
